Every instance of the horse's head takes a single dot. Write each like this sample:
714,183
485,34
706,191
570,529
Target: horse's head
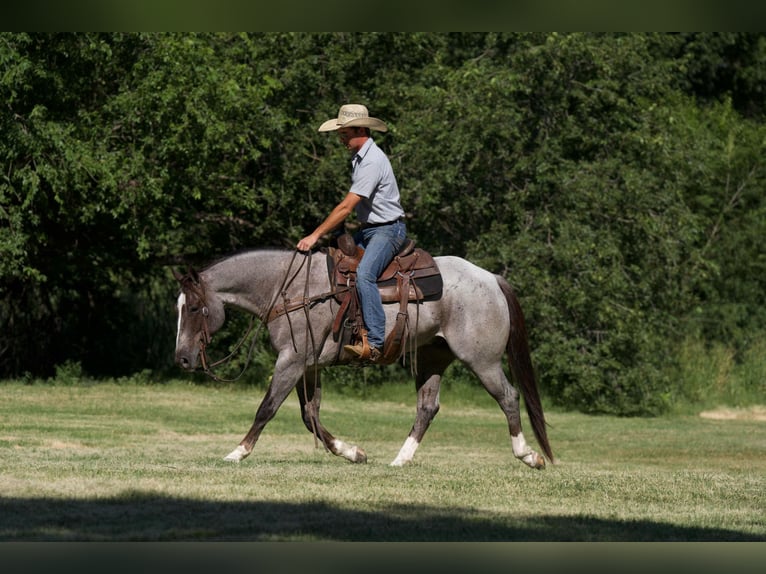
200,314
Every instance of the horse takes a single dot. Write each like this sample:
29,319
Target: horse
477,320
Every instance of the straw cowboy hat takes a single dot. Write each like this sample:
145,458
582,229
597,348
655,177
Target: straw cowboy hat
353,116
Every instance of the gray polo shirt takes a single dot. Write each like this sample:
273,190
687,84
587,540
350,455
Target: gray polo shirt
372,178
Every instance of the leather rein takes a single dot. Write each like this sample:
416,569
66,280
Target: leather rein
285,308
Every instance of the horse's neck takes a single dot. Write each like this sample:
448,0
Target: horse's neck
249,280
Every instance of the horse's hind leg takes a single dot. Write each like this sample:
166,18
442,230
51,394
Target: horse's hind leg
506,395
310,397
432,362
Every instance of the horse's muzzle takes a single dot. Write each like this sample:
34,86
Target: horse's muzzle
187,361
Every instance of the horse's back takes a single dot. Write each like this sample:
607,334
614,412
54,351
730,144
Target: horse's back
464,276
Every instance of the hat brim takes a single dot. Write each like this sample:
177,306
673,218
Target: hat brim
372,123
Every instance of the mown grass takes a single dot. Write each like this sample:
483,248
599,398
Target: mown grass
131,461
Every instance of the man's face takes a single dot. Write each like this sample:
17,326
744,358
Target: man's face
352,138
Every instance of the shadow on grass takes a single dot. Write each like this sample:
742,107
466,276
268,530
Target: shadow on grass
138,516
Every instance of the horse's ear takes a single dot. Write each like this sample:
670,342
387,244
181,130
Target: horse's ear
194,275
177,275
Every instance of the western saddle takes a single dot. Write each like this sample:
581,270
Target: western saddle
412,276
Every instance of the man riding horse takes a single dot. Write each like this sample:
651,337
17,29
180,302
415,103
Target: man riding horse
302,305
374,195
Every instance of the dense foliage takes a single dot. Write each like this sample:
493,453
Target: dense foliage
617,180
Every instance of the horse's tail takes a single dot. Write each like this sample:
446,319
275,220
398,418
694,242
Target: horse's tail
520,363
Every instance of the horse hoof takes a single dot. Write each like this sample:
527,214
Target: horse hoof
237,455
361,456
534,460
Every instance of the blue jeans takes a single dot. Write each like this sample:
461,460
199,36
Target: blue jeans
380,245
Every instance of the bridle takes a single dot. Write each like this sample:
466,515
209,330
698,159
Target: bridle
198,290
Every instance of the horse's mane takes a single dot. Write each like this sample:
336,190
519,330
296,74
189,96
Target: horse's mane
191,274
243,253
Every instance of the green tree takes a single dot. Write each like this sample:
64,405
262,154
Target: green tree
615,179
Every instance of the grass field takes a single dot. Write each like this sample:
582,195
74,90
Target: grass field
123,462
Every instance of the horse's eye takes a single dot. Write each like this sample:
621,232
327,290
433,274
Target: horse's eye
193,309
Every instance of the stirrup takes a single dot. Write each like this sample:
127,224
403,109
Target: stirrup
365,355
361,350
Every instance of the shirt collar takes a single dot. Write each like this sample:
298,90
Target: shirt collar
362,152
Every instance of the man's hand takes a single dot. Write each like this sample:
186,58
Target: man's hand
307,242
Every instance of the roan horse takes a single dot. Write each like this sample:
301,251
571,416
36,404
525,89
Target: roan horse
477,320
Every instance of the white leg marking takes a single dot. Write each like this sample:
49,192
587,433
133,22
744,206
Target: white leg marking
181,303
406,453
237,455
350,451
524,452
520,446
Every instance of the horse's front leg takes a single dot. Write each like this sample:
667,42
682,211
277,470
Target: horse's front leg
287,372
310,396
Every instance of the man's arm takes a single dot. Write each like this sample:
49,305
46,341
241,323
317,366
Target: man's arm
337,216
